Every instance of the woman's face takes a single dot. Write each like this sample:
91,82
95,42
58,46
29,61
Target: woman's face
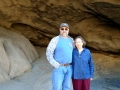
78,43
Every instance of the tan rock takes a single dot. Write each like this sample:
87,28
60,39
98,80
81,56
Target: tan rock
3,74
17,53
97,21
99,35
106,64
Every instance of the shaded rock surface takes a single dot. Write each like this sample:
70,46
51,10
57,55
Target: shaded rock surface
16,54
97,21
39,77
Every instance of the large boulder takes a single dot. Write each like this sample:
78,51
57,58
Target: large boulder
16,54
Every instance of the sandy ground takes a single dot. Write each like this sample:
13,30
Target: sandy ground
39,78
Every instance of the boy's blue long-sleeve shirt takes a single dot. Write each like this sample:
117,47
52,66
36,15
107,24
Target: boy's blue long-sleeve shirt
83,65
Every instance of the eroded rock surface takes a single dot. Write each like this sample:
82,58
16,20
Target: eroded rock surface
38,20
16,54
97,21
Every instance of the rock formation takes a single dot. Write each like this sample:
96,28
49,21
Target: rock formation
16,54
97,21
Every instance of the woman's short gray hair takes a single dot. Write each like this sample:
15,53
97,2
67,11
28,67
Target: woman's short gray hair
83,41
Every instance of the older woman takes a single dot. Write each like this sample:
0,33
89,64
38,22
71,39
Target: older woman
83,66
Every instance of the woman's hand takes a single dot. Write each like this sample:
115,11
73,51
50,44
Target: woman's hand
91,79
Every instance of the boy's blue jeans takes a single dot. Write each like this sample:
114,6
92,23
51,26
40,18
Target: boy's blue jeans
61,78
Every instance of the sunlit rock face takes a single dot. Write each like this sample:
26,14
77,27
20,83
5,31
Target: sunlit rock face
97,21
16,54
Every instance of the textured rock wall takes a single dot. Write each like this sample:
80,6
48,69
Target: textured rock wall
39,20
97,21
16,54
